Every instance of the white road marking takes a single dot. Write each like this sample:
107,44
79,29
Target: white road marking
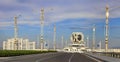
71,58
5,57
46,58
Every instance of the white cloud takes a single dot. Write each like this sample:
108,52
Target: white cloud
60,12
5,24
29,22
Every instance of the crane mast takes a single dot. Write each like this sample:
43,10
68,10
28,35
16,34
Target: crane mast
42,26
106,28
15,34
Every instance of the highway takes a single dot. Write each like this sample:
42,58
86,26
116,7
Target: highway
51,57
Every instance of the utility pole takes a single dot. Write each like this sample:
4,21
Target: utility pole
93,43
15,34
54,37
42,26
106,29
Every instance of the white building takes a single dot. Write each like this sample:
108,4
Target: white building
23,44
78,44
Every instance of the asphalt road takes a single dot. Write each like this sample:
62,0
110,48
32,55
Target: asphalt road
51,57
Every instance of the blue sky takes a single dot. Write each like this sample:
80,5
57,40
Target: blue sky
67,15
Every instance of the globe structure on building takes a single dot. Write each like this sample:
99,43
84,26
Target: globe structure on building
77,38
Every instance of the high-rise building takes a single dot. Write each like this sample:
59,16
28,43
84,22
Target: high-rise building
23,44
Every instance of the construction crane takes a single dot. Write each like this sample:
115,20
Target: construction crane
107,11
107,26
16,45
42,26
15,34
106,29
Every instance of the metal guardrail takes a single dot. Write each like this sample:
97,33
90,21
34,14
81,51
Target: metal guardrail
109,54
109,50
112,54
107,58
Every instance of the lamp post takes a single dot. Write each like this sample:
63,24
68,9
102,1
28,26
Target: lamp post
54,38
93,43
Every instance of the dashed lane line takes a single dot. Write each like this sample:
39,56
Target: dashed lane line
71,57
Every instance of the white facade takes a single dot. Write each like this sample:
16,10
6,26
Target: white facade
23,44
77,45
75,48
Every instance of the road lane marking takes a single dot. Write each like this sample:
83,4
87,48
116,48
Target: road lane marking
93,58
47,58
5,57
71,58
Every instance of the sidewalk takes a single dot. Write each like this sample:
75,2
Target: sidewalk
106,58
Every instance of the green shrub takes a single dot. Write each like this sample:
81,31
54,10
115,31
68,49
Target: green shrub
6,53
